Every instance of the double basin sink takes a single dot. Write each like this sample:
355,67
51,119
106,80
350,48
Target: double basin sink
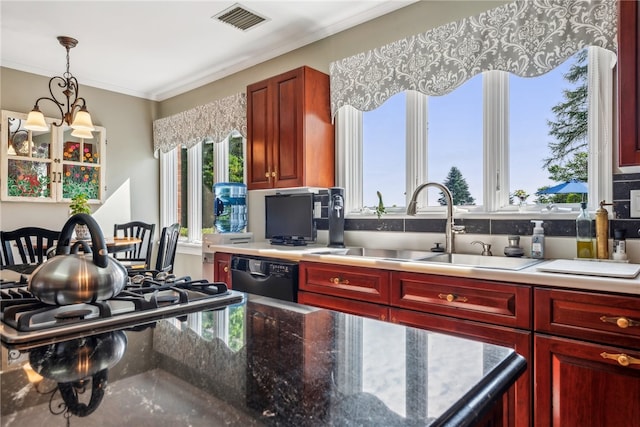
463,260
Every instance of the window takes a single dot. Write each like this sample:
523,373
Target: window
491,134
188,176
52,165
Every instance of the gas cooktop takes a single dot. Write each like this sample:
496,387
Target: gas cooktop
24,319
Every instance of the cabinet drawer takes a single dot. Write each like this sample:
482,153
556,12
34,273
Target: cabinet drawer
365,284
492,302
613,319
359,308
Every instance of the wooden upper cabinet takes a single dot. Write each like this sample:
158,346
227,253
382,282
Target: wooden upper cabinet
290,134
629,86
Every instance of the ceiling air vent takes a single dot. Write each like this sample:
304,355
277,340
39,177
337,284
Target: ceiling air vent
239,17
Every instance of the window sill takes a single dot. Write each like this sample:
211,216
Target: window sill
506,214
188,248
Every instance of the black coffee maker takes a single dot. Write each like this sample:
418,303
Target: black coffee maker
336,217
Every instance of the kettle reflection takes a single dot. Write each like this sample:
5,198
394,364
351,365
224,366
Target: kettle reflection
76,363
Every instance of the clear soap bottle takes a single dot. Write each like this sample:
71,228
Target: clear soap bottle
584,233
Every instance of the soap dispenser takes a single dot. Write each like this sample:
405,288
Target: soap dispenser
537,240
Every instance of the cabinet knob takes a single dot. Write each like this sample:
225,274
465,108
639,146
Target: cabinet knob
226,269
452,297
621,321
338,281
621,358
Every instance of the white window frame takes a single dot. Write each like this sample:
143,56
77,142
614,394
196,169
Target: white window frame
169,184
495,146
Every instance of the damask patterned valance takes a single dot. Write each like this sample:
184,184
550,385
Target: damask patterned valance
527,38
215,120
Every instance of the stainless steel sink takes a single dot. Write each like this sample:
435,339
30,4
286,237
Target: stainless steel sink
503,263
395,254
466,260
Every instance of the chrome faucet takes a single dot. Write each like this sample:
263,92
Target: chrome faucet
450,229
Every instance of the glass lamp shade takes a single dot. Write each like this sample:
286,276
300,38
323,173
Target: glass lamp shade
82,120
82,133
35,121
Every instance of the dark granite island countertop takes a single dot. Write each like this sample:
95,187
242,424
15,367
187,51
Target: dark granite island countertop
260,362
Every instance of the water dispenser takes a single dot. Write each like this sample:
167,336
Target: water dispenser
230,207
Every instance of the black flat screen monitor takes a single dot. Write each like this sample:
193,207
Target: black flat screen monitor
289,218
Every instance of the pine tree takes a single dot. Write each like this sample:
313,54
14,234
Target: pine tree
570,127
459,188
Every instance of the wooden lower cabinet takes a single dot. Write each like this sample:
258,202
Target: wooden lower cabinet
577,386
586,359
517,402
354,283
222,268
365,309
582,347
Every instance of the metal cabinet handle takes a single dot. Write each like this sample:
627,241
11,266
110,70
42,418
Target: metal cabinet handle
452,297
621,321
226,269
621,358
339,281
53,177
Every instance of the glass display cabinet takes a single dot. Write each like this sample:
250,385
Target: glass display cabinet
50,166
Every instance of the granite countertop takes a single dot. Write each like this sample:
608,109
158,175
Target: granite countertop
529,275
259,362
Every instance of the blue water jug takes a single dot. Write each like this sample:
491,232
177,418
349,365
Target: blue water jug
230,207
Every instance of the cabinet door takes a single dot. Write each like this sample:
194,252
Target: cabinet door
81,164
500,303
357,283
288,129
259,136
629,86
517,401
51,165
359,308
583,384
28,168
222,268
588,316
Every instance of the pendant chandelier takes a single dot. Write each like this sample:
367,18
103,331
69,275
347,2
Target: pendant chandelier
67,85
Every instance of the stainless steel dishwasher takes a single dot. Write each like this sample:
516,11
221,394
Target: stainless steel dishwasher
268,277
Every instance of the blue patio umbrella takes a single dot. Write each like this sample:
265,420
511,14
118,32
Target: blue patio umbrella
573,186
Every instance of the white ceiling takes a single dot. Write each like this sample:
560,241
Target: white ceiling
159,49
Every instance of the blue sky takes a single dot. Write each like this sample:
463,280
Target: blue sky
455,137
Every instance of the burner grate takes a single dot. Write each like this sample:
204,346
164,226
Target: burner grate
24,312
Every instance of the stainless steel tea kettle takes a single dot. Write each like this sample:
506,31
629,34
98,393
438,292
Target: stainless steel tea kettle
71,277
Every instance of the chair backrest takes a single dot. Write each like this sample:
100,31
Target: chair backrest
142,251
31,243
167,248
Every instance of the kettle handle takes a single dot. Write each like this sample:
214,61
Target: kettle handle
100,254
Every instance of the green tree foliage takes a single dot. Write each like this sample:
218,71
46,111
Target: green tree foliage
459,188
569,152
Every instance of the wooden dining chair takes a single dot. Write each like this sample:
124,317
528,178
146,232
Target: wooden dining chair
167,248
139,257
31,244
